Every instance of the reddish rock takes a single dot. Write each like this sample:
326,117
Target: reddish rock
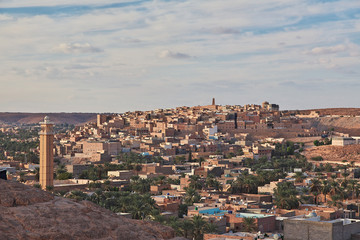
38,215
14,194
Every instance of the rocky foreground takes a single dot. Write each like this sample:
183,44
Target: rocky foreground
30,213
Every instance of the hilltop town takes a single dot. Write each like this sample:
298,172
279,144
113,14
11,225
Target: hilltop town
208,172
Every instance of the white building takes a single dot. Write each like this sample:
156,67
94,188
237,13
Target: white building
343,141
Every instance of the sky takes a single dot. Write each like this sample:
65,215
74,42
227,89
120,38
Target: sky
117,56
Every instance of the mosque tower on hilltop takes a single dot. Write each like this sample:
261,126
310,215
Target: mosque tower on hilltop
46,154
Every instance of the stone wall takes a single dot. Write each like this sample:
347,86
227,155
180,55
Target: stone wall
306,230
310,230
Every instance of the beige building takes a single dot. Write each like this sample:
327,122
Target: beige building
343,141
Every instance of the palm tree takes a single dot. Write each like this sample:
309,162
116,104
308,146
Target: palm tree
97,197
335,201
175,224
315,185
209,182
325,188
334,186
299,177
191,196
304,196
141,186
212,182
161,179
200,226
249,224
357,191
285,196
352,164
315,188
211,228
316,194
134,178
333,177
250,184
22,177
141,207
237,185
187,228
195,182
138,168
343,194
37,174
218,186
352,187
77,195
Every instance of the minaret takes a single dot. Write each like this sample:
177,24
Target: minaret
46,154
213,102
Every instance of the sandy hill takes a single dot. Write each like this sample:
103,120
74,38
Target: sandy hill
58,118
333,111
345,120
30,213
335,153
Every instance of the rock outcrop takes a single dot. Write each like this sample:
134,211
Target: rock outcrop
30,213
14,194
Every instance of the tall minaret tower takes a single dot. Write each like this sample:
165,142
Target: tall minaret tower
213,101
46,153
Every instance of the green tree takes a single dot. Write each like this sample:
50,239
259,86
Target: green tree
191,196
245,184
77,195
285,196
315,188
248,224
299,177
141,185
200,160
325,188
212,182
195,182
187,228
22,177
190,156
199,227
183,209
137,168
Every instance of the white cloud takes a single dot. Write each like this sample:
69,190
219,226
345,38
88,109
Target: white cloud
76,48
349,48
36,3
328,50
4,17
170,54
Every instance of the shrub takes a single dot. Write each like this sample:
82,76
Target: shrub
317,158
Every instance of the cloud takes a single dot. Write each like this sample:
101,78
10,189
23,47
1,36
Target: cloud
37,3
224,30
261,47
175,55
76,48
4,17
328,50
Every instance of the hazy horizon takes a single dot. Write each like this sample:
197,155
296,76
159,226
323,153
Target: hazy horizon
102,112
118,56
